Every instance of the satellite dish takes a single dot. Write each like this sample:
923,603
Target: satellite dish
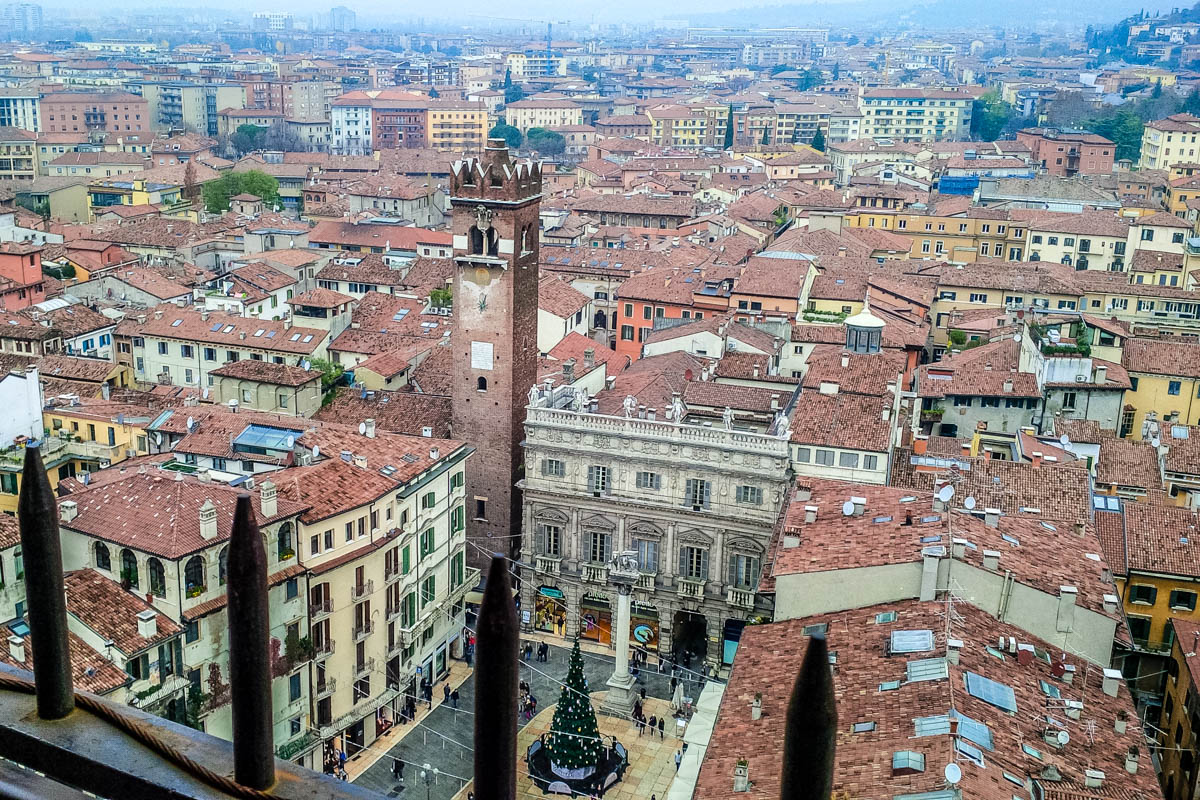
191,423
306,364
316,450
1064,440
1063,738
291,442
1016,337
946,493
362,428
969,504
204,394
953,774
157,438
847,509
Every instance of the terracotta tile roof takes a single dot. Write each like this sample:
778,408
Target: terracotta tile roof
768,660
984,371
267,372
90,670
557,297
1059,491
1187,633
151,281
636,204
366,234
217,603
432,375
652,380
741,366
1157,538
1127,463
362,268
91,370
103,606
774,277
574,345
851,421
77,319
263,277
169,321
1162,219
1155,261
1087,223
699,395
1182,446
10,532
867,374
1081,431
1172,357
161,516
394,411
320,298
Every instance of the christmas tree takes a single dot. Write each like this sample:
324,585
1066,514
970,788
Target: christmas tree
574,741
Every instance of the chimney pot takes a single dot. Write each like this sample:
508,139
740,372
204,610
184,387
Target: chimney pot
920,445
860,505
360,461
991,517
810,513
16,649
369,428
434,454
1036,458
589,357
1111,603
268,502
991,559
68,509
147,623
1112,682
208,520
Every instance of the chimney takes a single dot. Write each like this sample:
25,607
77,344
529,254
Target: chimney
1074,708
1036,458
610,381
267,499
810,513
360,461
147,624
741,771
860,505
369,428
208,520
1008,385
68,510
1111,603
790,541
204,315
1093,778
589,357
920,444
953,648
756,706
959,547
434,454
991,559
16,649
569,371
1101,378
966,449
991,517
756,369
158,315
1066,608
1131,755
1112,682
845,360
774,402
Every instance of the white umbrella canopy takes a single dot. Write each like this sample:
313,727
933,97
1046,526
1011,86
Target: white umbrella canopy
677,697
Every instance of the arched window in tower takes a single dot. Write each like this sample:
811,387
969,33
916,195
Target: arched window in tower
493,242
481,383
223,566
284,542
524,239
476,245
102,559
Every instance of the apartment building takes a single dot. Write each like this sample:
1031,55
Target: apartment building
17,158
697,509
542,113
916,115
115,112
1169,141
20,108
455,126
1069,153
181,346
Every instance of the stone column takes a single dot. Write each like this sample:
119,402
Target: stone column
621,695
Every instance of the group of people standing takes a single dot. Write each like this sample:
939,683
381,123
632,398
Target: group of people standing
526,703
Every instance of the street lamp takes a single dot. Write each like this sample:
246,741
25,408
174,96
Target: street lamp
429,775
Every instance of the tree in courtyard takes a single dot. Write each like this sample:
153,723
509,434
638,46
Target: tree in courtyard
231,184
989,115
818,142
729,129
511,136
574,740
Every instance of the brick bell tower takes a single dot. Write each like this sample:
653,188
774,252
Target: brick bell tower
495,204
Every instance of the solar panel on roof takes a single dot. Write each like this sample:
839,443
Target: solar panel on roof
216,327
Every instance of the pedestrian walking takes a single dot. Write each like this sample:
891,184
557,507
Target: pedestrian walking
641,724
653,724
341,756
446,692
643,693
662,734
674,683
454,698
527,652
678,758
637,708
398,769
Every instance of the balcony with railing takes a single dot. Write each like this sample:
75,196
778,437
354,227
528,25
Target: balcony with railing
323,648
326,687
594,573
470,580
361,591
546,565
362,630
364,667
740,598
320,610
690,587
646,581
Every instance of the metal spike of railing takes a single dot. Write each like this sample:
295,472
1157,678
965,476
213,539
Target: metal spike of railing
249,642
41,548
497,641
810,733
